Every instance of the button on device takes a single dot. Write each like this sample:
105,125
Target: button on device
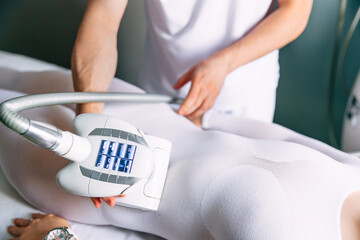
85,172
131,137
124,135
112,178
96,131
95,175
121,180
104,177
132,180
106,132
115,133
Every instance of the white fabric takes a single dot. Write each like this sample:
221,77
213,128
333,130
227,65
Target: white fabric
219,185
183,33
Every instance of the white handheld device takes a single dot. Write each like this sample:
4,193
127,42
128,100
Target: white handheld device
110,157
121,161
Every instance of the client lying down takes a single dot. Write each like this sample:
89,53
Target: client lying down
238,180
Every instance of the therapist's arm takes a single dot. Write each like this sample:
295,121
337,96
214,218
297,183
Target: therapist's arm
94,58
273,32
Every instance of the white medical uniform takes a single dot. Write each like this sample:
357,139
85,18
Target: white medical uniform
183,33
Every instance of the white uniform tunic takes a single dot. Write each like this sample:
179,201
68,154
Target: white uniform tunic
183,33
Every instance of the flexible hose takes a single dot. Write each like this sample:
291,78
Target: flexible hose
11,118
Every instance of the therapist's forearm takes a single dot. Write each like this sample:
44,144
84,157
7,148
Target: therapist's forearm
94,57
275,31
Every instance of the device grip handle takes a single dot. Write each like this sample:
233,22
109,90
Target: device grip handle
73,147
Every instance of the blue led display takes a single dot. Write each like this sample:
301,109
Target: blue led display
115,156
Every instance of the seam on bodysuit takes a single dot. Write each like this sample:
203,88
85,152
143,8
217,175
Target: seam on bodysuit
230,168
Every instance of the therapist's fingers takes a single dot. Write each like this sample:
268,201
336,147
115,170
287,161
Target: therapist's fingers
193,100
96,201
109,200
206,104
184,79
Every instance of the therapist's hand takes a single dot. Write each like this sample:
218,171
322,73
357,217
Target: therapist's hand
109,200
37,228
207,78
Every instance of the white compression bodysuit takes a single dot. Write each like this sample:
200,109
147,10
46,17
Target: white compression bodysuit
183,33
219,186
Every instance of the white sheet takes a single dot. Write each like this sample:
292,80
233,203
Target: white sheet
12,205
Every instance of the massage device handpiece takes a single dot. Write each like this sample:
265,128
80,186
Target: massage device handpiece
119,160
110,157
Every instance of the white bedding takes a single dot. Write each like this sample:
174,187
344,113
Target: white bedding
12,205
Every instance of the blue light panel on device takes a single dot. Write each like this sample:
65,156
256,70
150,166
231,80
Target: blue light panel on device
115,156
